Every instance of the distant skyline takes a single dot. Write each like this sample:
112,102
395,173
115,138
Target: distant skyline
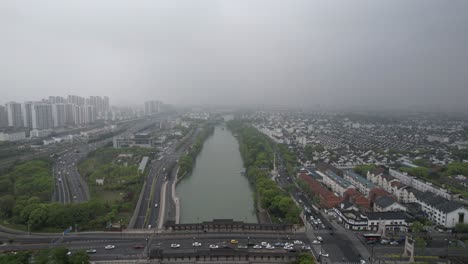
390,54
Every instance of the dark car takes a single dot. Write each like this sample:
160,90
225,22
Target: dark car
138,247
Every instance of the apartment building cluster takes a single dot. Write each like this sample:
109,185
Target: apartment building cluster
436,203
152,107
364,203
40,118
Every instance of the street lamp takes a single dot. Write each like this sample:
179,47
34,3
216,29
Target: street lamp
120,225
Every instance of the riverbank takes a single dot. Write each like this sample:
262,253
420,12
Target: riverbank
186,162
257,155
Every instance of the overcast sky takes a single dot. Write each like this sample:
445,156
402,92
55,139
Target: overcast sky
394,53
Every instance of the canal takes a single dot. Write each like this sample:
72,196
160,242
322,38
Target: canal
216,189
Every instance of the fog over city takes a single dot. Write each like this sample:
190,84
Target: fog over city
371,54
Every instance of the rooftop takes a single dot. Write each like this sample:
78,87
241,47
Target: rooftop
360,179
387,215
339,180
384,201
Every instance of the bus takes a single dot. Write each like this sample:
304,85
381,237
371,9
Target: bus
372,237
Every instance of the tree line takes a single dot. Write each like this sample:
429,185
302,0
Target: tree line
186,162
257,154
46,256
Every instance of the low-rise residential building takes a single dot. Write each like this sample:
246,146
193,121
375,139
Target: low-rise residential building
336,183
327,199
438,138
442,211
420,185
41,133
12,135
352,219
393,221
387,204
362,184
138,140
358,199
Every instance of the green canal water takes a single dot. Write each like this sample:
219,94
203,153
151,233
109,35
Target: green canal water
215,189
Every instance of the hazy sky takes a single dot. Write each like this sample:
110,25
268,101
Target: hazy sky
285,52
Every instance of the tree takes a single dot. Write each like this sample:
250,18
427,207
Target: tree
363,169
304,258
80,257
461,228
417,227
309,152
59,255
420,243
38,217
7,203
422,162
17,258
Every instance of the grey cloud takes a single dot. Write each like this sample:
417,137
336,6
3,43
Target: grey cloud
306,53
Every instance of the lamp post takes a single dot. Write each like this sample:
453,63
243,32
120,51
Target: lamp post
120,225
447,246
193,245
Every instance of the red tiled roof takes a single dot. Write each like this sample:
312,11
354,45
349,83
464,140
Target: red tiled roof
327,198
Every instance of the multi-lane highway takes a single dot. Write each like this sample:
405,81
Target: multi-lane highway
152,211
136,245
69,185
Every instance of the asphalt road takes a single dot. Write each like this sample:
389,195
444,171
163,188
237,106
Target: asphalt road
69,185
125,243
161,172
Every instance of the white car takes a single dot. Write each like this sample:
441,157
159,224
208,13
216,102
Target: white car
362,261
257,247
394,243
298,242
196,244
270,246
323,254
307,247
155,205
264,244
315,242
109,247
288,247
319,238
213,246
91,251
175,245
